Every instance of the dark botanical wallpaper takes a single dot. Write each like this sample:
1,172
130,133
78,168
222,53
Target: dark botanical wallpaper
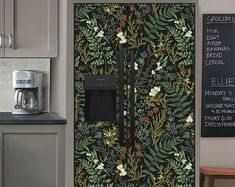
161,38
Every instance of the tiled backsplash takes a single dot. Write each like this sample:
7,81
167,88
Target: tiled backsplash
7,66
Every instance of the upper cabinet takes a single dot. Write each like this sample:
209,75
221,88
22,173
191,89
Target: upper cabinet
1,28
29,28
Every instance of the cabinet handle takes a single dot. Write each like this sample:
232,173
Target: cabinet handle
132,98
1,41
10,40
122,140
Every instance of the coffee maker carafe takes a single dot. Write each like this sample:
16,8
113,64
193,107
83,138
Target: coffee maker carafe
28,92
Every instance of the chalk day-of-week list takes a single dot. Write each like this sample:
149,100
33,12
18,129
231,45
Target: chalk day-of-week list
218,96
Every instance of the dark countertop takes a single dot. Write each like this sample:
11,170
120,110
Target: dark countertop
7,118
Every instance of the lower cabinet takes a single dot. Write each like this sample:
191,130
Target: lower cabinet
32,155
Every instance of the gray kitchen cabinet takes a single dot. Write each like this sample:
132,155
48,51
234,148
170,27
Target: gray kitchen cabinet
31,28
32,155
1,28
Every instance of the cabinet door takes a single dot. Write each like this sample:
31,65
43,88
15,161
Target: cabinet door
1,28
31,28
1,170
31,158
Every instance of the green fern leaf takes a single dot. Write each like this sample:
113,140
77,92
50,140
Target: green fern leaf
159,21
158,154
178,99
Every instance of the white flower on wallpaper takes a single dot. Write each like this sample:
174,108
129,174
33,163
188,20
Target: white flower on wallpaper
122,170
154,91
184,161
123,173
100,166
184,29
136,66
95,161
176,22
189,34
159,67
189,119
160,44
88,22
123,40
188,166
176,154
88,154
120,34
100,34
121,37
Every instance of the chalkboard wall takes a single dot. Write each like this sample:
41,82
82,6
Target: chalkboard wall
218,96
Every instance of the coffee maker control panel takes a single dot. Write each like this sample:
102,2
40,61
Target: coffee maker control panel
25,79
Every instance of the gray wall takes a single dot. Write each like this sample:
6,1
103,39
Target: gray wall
62,85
